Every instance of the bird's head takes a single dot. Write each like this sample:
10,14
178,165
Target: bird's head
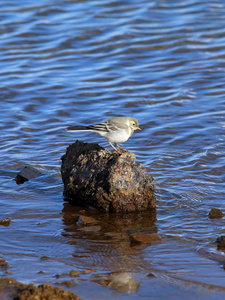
134,125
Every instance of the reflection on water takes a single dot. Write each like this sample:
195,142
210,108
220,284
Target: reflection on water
84,62
107,239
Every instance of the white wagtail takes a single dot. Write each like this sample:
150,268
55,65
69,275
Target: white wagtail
115,130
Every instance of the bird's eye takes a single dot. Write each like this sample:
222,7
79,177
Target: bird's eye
133,124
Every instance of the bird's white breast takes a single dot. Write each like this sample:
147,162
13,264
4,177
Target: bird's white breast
119,136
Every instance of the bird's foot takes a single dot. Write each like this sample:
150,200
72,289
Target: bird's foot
120,149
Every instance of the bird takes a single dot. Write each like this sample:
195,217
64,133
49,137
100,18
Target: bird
115,130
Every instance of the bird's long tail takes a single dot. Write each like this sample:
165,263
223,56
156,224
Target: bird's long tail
77,128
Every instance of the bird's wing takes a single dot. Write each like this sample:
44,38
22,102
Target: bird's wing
107,126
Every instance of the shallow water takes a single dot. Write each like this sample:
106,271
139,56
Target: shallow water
80,62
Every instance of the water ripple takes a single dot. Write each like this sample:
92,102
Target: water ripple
82,62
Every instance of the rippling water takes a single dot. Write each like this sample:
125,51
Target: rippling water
80,62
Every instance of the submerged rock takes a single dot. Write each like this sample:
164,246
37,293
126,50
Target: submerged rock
215,213
145,238
93,176
121,282
84,220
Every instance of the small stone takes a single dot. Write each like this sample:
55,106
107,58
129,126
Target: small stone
215,213
67,283
44,257
3,264
61,275
221,241
121,282
74,273
26,174
5,222
145,238
84,220
150,275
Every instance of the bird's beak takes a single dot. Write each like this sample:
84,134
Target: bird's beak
138,128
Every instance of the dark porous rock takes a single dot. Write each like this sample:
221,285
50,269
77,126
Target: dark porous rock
215,213
12,289
95,177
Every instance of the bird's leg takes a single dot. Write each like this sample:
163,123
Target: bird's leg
122,149
114,147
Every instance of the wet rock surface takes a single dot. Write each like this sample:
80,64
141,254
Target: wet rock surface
5,222
27,173
215,213
12,289
95,177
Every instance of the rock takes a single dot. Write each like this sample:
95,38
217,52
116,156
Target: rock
44,257
26,174
5,222
84,220
74,273
221,241
151,275
12,289
145,238
95,177
3,264
215,213
121,282
67,283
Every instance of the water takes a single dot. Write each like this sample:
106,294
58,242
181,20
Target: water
81,62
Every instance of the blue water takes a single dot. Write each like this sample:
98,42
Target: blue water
82,62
